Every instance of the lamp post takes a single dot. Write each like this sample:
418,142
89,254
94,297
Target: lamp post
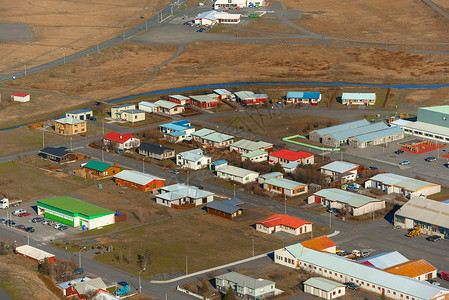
102,154
63,53
143,164
140,283
234,190
70,143
79,258
187,266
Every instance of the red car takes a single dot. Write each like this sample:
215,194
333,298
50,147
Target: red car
25,214
445,275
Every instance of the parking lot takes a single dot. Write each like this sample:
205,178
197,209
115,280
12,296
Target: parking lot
42,232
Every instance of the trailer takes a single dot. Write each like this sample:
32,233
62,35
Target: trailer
5,203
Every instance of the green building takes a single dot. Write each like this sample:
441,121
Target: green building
432,123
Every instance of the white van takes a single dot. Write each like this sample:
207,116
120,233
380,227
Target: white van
18,211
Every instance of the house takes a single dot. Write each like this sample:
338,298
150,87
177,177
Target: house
358,98
131,115
369,279
180,196
139,181
81,114
285,156
74,212
156,151
354,203
312,98
217,164
244,286
255,156
238,3
20,97
249,98
177,131
284,223
204,101
59,154
213,17
384,260
267,176
84,289
98,169
34,253
290,167
102,295
210,137
236,174
245,146
418,269
67,286
431,216
148,107
70,126
408,187
228,209
193,159
340,171
321,243
198,135
121,141
223,94
180,99
324,288
116,110
285,187
170,108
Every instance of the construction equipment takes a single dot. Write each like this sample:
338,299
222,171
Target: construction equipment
415,231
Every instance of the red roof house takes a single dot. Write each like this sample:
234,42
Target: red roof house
284,223
285,156
121,141
321,243
20,97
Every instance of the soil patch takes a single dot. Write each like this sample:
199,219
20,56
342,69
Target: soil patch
15,32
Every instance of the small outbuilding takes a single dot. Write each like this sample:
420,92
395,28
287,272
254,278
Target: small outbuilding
324,288
20,97
148,107
98,169
81,114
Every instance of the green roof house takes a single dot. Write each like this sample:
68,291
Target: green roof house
98,169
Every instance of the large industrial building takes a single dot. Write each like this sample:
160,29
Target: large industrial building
432,123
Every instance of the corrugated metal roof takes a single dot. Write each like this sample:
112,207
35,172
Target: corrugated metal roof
80,111
70,120
220,162
438,130
218,137
271,175
250,145
341,127
426,210
409,184
236,171
255,153
291,165
244,94
133,111
75,206
384,260
202,132
284,183
340,166
97,165
33,252
281,219
412,268
341,135
226,206
178,97
149,104
304,95
166,104
178,191
358,96
222,92
176,127
352,199
400,122
319,243
192,155
379,134
444,109
136,177
124,105
246,281
203,98
405,285
322,283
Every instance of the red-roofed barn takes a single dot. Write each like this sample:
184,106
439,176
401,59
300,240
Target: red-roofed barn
285,156
283,223
121,141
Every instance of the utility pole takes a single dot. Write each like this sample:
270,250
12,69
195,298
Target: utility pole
187,266
102,124
253,247
285,204
143,164
102,154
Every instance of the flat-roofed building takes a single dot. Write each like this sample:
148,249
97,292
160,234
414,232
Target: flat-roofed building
245,287
255,156
285,187
236,174
245,146
383,136
312,98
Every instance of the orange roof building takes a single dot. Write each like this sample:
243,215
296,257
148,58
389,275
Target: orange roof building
321,243
418,269
283,223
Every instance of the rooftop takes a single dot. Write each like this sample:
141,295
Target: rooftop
440,108
192,155
57,152
285,220
218,137
177,191
361,130
412,268
323,283
74,206
202,132
291,155
358,96
118,137
426,210
255,153
383,133
136,177
441,130
123,105
149,104
271,175
80,111
203,98
284,183
340,167
246,281
291,165
341,127
229,206
352,199
178,97
154,148
19,94
133,111
33,252
250,145
97,165
166,104
409,184
384,260
319,243
70,120
244,94
235,171
304,95
222,92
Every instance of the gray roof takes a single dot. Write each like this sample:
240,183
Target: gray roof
123,105
57,152
89,285
322,283
385,260
255,153
409,184
250,145
133,111
192,155
352,199
379,134
179,97
291,165
284,183
203,98
235,171
402,284
243,280
80,111
166,104
244,94
70,120
358,96
149,104
218,137
341,127
427,211
271,175
229,206
136,177
178,191
222,92
202,132
439,130
154,148
344,134
339,166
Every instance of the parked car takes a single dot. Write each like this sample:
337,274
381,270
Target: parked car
433,238
444,275
29,229
56,226
10,222
45,222
17,212
433,281
430,159
373,168
63,227
399,151
93,119
123,283
25,214
37,220
352,286
404,162
2,220
351,188
341,252
365,253
175,171
20,226
200,30
78,271
119,151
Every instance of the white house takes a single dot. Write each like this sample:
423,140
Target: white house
80,114
169,108
324,288
284,223
182,196
121,141
193,159
148,107
215,17
238,3
255,156
340,171
20,97
358,98
236,174
177,131
117,110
